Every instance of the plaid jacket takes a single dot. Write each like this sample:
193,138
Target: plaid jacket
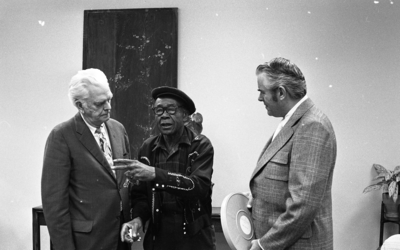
291,184
191,185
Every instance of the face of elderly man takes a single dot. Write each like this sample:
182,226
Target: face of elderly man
269,98
97,106
170,124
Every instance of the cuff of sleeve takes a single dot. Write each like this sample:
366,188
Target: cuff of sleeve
161,175
258,241
165,179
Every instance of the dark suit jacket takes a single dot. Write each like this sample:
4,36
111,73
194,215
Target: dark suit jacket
291,184
81,197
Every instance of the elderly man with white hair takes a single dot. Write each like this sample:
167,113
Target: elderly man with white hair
84,201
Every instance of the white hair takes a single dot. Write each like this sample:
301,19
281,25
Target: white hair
78,86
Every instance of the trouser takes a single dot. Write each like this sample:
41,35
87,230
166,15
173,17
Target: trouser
170,236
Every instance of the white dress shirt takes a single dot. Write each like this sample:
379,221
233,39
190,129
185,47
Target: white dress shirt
281,125
97,136
287,116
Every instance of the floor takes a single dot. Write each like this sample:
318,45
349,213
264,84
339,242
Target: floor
220,238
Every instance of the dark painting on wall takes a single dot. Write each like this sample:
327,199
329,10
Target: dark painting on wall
137,50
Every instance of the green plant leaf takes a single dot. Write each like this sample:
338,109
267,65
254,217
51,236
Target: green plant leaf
380,176
388,175
379,169
395,194
373,187
392,188
396,170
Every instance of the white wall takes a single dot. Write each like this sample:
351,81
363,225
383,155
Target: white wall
348,51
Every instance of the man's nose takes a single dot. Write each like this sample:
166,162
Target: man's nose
107,106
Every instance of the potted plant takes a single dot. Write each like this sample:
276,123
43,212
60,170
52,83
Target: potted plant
390,209
387,179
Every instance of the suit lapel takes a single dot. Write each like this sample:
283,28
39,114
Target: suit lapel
88,141
265,148
283,137
273,147
116,148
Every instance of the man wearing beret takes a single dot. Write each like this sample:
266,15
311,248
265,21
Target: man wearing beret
174,170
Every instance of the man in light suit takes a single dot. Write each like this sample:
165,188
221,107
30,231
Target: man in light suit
291,184
84,201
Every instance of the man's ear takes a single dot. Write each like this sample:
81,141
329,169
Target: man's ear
79,105
282,93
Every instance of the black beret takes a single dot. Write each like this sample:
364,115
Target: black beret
165,91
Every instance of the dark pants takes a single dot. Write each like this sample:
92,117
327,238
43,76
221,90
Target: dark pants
170,236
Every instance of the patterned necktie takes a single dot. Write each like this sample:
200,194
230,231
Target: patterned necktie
105,147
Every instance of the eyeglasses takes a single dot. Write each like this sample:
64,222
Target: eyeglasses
159,111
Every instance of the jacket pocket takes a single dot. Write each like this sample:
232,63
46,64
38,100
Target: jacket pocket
200,223
83,226
277,168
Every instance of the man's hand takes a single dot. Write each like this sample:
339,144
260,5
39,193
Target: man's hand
136,169
250,202
254,245
130,230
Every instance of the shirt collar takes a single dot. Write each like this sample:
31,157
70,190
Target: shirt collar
292,110
160,142
91,128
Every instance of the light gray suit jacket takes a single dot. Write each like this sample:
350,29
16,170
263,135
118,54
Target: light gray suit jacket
291,184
